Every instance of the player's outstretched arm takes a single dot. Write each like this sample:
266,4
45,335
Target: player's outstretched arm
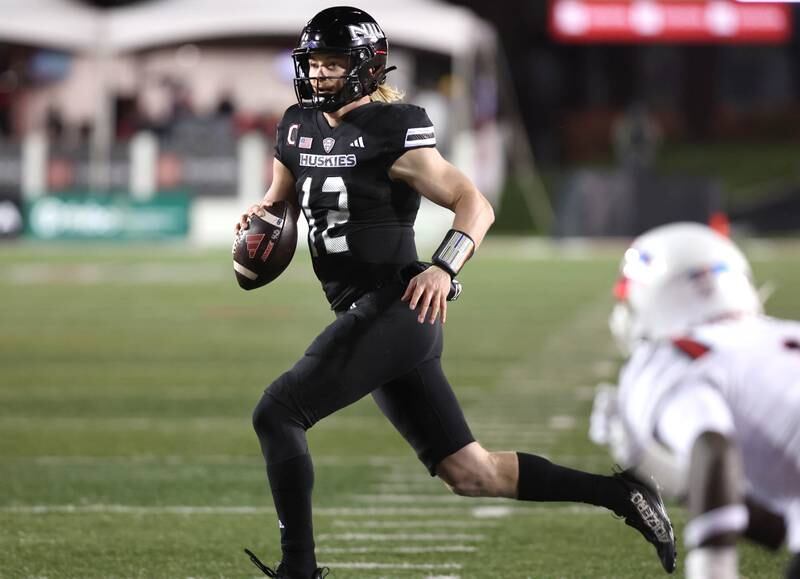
428,173
281,189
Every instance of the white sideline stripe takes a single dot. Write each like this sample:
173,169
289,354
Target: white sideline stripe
229,510
417,499
169,459
492,512
401,550
413,524
404,477
477,512
398,566
248,273
136,510
400,488
332,460
443,577
379,537
394,511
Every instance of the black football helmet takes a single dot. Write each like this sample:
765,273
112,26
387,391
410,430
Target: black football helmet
348,31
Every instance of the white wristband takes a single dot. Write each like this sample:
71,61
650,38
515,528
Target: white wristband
455,249
730,519
712,563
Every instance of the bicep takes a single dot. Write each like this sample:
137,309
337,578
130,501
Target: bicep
430,175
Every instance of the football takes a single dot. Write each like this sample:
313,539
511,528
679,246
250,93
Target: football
263,250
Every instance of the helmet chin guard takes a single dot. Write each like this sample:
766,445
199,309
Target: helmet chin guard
348,32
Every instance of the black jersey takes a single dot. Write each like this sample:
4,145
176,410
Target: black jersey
361,222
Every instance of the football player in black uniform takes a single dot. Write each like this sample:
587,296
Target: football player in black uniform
356,162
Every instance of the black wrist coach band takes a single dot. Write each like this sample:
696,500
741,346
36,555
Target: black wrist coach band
454,251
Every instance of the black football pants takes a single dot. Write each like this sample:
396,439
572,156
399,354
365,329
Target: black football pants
376,347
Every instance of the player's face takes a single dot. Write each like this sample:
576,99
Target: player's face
328,72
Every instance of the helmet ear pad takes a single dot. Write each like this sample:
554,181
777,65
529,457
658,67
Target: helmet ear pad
371,72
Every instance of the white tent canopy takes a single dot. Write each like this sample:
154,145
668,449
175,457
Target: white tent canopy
60,24
72,26
105,33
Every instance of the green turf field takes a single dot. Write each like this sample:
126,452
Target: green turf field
127,378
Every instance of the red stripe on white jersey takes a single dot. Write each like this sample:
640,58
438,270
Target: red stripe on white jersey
691,348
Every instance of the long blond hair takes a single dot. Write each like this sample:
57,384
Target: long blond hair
387,94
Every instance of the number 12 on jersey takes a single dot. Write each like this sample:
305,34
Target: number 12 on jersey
330,211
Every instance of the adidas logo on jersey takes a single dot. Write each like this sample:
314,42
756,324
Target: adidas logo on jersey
358,143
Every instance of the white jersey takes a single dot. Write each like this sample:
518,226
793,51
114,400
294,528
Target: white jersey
739,377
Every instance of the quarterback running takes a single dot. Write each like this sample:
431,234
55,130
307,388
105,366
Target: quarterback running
356,162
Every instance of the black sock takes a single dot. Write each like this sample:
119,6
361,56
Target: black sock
541,480
291,482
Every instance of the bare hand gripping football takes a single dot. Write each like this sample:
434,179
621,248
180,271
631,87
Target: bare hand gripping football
263,250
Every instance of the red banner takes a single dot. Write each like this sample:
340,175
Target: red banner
659,21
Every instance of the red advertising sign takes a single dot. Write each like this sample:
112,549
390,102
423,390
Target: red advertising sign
658,21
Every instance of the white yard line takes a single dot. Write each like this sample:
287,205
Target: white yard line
414,524
482,512
230,510
402,549
413,477
393,566
383,537
402,488
417,499
331,460
136,510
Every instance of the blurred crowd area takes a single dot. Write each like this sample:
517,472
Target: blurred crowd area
186,93
190,93
571,138
198,99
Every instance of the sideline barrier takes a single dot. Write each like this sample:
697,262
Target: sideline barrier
113,217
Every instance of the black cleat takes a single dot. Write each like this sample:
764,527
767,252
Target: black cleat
646,513
280,572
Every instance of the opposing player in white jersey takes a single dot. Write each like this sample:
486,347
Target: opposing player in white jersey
709,402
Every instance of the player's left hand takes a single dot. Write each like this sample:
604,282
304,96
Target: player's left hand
427,293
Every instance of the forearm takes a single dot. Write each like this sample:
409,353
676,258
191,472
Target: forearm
282,187
473,214
716,508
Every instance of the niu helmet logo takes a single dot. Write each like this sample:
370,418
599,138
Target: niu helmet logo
253,241
368,30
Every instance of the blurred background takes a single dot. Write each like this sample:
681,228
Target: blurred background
155,119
